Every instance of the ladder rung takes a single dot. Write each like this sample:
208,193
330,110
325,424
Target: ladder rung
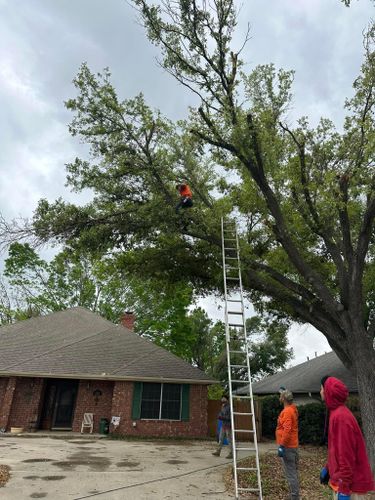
236,312
240,412
242,397
240,381
235,324
231,258
248,489
238,352
230,239
238,366
228,267
232,278
247,468
234,300
246,449
243,430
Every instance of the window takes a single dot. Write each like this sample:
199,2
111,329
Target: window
161,401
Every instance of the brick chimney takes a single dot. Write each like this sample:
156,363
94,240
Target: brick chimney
127,320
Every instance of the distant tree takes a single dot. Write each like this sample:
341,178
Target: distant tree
73,278
68,280
208,340
268,349
162,309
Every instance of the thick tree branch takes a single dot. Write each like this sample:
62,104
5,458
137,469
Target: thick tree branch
282,233
365,237
316,225
344,219
313,315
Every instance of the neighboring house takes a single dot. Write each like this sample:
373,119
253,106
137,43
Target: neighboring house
304,379
55,368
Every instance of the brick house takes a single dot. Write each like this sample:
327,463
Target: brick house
55,368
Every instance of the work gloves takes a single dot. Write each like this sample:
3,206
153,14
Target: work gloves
324,476
343,496
281,451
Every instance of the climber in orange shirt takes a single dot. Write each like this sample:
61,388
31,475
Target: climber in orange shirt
186,197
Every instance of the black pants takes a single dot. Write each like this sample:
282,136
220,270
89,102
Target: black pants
185,202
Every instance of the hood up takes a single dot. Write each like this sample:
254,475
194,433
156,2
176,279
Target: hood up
335,393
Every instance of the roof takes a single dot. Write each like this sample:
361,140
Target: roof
306,377
77,343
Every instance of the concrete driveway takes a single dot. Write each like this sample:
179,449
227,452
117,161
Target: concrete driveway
79,468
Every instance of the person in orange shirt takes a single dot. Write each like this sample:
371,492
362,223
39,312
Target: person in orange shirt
186,197
287,441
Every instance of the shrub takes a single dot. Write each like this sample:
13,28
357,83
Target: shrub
215,391
311,419
270,411
310,422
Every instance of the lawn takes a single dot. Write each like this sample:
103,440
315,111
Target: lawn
274,485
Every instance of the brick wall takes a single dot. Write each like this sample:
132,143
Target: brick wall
27,401
21,401
86,402
195,427
3,387
8,387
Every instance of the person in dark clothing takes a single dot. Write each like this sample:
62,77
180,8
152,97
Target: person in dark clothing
186,197
226,427
347,471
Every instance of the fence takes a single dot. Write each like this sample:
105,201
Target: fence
242,421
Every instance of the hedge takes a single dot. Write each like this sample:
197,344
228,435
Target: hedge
311,418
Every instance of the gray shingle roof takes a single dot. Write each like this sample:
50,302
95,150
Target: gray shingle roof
78,343
305,378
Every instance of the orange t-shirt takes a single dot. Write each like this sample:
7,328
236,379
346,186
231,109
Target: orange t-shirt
185,191
287,427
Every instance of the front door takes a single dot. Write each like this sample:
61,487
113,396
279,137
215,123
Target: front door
65,399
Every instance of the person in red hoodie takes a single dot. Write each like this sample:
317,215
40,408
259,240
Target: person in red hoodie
287,440
347,471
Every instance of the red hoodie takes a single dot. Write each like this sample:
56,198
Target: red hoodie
348,465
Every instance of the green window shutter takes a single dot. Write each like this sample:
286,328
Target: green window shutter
137,399
185,406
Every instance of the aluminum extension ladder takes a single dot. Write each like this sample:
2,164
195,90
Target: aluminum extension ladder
237,348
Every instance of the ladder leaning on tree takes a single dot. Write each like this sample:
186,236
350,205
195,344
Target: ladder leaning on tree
237,348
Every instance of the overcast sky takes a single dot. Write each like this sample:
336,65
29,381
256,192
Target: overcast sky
43,43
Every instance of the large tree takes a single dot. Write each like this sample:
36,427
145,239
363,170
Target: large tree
304,196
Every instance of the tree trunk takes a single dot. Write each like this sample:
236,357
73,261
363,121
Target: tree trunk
364,362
